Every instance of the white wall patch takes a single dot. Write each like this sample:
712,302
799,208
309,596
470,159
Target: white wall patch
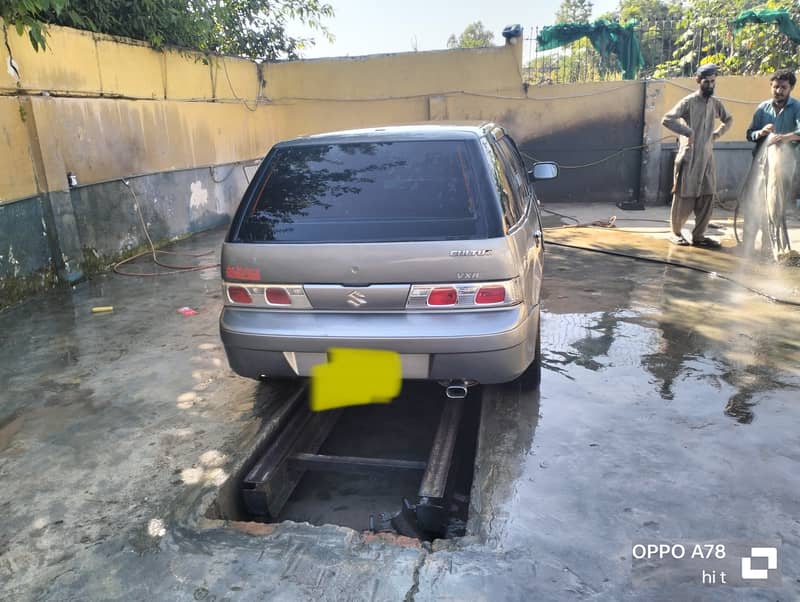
13,68
199,198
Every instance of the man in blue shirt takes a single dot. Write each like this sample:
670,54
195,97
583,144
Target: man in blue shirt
779,115
770,184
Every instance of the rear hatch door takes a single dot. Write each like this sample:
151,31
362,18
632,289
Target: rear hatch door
357,223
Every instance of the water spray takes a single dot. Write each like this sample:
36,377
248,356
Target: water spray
762,203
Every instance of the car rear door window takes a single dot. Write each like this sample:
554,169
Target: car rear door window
384,191
518,165
511,210
511,164
510,153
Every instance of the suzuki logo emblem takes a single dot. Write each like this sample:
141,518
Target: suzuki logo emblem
356,299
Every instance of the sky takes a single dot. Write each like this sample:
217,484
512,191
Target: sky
377,26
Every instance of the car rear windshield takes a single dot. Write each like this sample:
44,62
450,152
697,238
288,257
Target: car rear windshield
365,192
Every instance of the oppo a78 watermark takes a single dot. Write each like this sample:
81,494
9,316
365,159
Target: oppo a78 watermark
729,563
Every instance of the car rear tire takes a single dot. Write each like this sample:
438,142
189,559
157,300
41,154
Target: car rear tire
532,377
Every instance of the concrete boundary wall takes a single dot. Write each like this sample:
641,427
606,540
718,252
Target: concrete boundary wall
175,109
81,63
106,109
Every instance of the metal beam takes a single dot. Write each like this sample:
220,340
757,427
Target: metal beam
350,464
434,480
271,481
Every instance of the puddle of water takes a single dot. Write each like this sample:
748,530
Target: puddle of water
664,319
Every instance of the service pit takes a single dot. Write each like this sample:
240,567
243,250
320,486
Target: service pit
403,468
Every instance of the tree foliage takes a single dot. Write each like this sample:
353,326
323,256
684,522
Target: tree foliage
574,11
580,58
475,35
648,10
657,30
676,36
251,28
705,36
761,49
26,15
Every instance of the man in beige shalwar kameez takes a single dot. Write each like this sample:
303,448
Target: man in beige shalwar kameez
695,177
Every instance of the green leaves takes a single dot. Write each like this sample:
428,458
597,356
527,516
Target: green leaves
706,35
27,14
36,36
574,11
676,37
475,35
254,29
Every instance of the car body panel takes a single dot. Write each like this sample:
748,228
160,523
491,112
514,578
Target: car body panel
355,293
467,334
361,264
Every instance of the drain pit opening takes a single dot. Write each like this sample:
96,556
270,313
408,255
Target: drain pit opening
404,468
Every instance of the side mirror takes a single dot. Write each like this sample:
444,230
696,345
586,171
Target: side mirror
546,170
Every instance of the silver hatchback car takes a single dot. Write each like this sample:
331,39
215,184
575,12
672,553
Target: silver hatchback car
423,240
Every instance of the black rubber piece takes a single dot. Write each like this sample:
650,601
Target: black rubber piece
532,377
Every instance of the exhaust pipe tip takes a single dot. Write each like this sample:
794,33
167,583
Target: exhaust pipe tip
456,389
456,392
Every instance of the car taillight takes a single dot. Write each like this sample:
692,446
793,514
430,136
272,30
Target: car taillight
465,295
490,294
278,296
239,294
443,296
267,296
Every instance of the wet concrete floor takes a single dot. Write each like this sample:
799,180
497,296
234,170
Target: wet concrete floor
668,412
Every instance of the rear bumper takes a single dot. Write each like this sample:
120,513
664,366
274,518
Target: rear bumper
488,346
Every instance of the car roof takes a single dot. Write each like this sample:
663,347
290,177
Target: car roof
426,131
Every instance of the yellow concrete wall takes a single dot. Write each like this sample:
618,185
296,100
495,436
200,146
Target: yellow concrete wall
304,118
549,110
82,63
82,117
78,62
206,110
484,70
187,77
17,178
68,65
100,140
235,80
197,111
130,70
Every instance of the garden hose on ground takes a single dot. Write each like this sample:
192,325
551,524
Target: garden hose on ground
610,224
171,269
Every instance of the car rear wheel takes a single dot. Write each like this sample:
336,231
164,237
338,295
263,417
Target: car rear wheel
530,379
